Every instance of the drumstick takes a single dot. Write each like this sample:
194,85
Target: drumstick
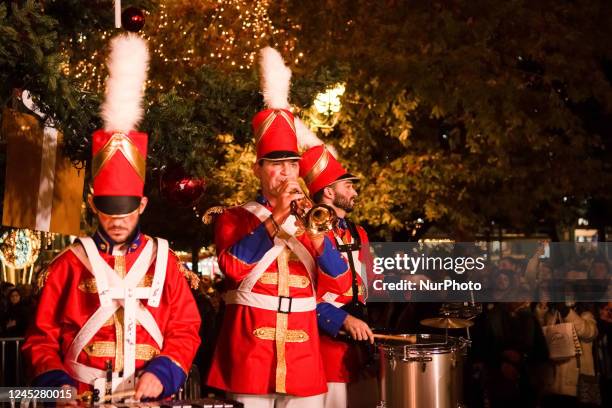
395,337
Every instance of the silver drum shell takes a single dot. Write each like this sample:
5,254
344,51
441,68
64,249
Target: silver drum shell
427,374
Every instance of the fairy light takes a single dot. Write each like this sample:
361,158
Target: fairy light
228,35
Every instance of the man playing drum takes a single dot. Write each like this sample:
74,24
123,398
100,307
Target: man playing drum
116,312
329,183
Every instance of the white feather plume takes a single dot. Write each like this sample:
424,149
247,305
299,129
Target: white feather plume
275,79
127,65
307,139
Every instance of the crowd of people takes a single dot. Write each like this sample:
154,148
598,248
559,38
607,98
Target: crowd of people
509,362
511,348
16,306
509,357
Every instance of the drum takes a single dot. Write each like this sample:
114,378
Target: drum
428,373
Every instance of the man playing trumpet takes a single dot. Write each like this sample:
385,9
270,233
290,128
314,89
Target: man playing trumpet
268,350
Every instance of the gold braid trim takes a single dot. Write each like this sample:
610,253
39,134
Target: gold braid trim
89,285
212,213
282,321
42,278
295,281
293,336
192,278
120,269
119,142
107,349
319,166
349,292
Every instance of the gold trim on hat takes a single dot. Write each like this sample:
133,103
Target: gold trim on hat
289,120
319,166
265,125
120,142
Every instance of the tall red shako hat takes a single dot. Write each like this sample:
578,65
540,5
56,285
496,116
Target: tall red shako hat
274,127
119,151
319,166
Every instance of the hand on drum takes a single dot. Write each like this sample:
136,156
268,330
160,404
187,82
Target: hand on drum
358,329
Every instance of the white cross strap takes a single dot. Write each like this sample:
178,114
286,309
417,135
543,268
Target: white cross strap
114,292
296,247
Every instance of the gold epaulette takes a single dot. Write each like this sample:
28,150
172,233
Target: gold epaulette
212,213
43,275
41,279
192,278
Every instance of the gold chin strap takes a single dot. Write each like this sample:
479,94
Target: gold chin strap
120,142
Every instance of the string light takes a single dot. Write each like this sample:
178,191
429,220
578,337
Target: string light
228,34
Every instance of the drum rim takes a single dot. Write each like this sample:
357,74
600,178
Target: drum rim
448,344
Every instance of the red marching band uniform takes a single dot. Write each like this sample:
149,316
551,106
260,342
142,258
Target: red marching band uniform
129,305
269,341
319,169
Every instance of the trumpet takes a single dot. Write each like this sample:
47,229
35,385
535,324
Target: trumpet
317,219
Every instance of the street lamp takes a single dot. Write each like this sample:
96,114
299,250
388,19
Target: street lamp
326,107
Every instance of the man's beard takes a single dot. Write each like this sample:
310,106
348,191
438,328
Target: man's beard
343,203
129,238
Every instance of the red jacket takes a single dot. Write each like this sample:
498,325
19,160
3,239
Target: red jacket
69,298
341,358
264,351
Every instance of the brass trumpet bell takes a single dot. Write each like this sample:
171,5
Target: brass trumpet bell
317,219
321,219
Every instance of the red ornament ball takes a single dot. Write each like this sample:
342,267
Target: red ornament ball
132,19
180,188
